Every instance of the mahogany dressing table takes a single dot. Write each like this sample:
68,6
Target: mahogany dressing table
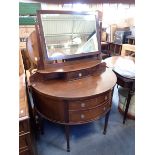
71,85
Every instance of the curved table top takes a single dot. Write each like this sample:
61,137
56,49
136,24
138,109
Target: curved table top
81,88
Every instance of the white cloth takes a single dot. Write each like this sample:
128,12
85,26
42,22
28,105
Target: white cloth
125,67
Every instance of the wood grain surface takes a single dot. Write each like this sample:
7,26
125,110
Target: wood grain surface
85,87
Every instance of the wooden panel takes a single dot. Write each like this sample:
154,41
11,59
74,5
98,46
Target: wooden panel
23,126
23,141
25,138
127,47
21,66
24,151
51,108
23,113
89,103
88,115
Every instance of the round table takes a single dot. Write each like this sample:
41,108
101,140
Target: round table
122,80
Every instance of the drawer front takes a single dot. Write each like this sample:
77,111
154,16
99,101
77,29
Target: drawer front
77,74
86,72
24,141
89,103
23,126
24,152
88,115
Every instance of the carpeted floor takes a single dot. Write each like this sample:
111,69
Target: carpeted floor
88,139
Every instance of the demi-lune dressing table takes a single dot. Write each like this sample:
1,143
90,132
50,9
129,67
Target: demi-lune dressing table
71,85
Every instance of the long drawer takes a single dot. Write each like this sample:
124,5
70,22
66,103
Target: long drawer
89,103
88,115
24,141
24,151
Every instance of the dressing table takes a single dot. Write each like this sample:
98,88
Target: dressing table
71,84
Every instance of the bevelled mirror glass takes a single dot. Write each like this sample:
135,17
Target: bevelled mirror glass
69,35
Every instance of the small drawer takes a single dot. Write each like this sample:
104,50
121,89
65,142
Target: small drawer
89,103
24,141
23,126
88,115
77,74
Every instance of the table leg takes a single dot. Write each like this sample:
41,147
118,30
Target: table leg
42,125
106,122
127,106
67,137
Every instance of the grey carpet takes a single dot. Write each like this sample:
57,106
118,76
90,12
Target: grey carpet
88,139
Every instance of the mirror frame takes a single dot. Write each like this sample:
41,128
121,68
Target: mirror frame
67,57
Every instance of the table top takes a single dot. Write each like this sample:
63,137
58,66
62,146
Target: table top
81,88
123,65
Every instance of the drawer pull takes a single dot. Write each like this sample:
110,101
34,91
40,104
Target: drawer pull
21,111
83,105
80,74
82,116
106,98
104,108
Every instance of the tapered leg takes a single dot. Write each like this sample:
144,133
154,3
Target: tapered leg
39,123
67,137
42,125
106,122
127,107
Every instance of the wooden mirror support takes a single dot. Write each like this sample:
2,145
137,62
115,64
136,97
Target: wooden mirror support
75,90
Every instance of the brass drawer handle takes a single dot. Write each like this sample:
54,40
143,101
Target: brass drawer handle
21,111
82,116
80,74
106,98
83,105
104,108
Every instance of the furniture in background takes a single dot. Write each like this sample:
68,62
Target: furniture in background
122,80
110,49
123,95
26,138
131,39
70,88
127,49
104,45
114,49
27,19
27,13
130,85
121,34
